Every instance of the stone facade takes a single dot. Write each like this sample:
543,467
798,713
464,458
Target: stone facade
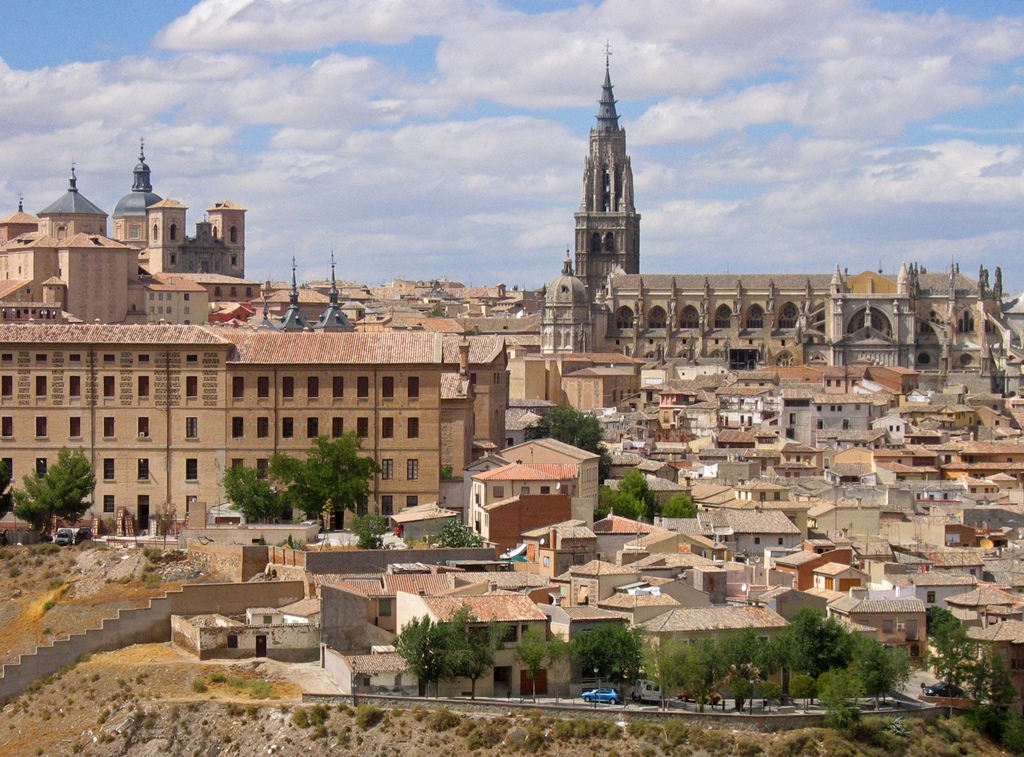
161,411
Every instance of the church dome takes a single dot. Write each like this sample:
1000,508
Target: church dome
567,289
142,195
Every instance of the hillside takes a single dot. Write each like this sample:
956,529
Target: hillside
48,592
150,701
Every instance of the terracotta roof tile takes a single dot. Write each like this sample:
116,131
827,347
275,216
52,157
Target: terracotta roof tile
97,334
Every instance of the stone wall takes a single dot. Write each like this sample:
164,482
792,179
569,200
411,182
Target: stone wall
145,625
232,562
377,560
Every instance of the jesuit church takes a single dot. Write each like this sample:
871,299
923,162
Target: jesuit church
918,319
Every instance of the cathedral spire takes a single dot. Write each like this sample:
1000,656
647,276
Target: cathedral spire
607,118
567,264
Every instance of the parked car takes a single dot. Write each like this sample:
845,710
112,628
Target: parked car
603,695
67,536
713,697
942,690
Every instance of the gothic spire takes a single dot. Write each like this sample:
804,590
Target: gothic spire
607,118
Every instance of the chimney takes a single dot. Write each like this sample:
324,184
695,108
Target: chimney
464,357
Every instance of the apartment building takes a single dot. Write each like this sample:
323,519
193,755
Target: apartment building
162,410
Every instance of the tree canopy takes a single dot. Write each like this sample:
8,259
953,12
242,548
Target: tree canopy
6,496
813,644
333,474
62,491
370,529
614,650
680,506
252,495
454,534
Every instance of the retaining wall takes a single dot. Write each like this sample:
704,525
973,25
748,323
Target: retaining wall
759,723
232,562
144,625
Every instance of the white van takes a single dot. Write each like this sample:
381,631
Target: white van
647,691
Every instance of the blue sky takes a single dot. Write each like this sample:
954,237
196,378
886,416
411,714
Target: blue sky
788,135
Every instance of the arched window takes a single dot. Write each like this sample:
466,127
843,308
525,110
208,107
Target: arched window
966,360
723,317
878,322
173,231
965,323
789,316
690,318
234,234
784,359
656,318
156,233
755,317
609,242
624,318
924,327
606,191
924,359
595,242
989,328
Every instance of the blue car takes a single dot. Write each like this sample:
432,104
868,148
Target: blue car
603,695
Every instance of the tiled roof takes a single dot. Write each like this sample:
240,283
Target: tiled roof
1009,630
601,568
860,606
984,596
532,472
555,446
302,608
620,600
97,334
453,386
589,612
616,524
487,607
832,569
570,529
714,619
797,559
939,578
370,664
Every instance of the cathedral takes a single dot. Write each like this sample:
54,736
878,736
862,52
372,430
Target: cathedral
52,265
929,321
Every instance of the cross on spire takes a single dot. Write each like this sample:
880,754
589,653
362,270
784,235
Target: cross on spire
142,148
607,53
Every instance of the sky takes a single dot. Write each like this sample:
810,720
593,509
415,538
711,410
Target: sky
423,139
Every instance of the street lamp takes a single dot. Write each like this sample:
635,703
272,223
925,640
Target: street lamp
598,694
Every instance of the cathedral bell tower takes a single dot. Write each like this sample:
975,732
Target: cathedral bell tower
607,225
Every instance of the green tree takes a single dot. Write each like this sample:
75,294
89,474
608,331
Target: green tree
566,424
663,664
612,649
473,647
634,485
533,652
702,671
814,644
771,691
6,496
990,686
838,691
62,491
741,690
370,529
454,534
880,669
253,496
333,471
680,506
429,649
803,687
953,652
621,504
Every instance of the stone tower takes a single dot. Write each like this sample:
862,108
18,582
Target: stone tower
607,225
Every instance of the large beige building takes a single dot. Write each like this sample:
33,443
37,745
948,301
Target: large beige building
162,410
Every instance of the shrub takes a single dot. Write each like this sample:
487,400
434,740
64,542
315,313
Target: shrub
199,685
301,718
318,715
442,720
367,716
259,689
218,678
50,604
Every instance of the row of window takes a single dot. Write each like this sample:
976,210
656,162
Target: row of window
75,357
387,429
109,384
160,296
387,387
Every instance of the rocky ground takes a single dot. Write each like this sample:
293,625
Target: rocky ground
48,592
151,701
